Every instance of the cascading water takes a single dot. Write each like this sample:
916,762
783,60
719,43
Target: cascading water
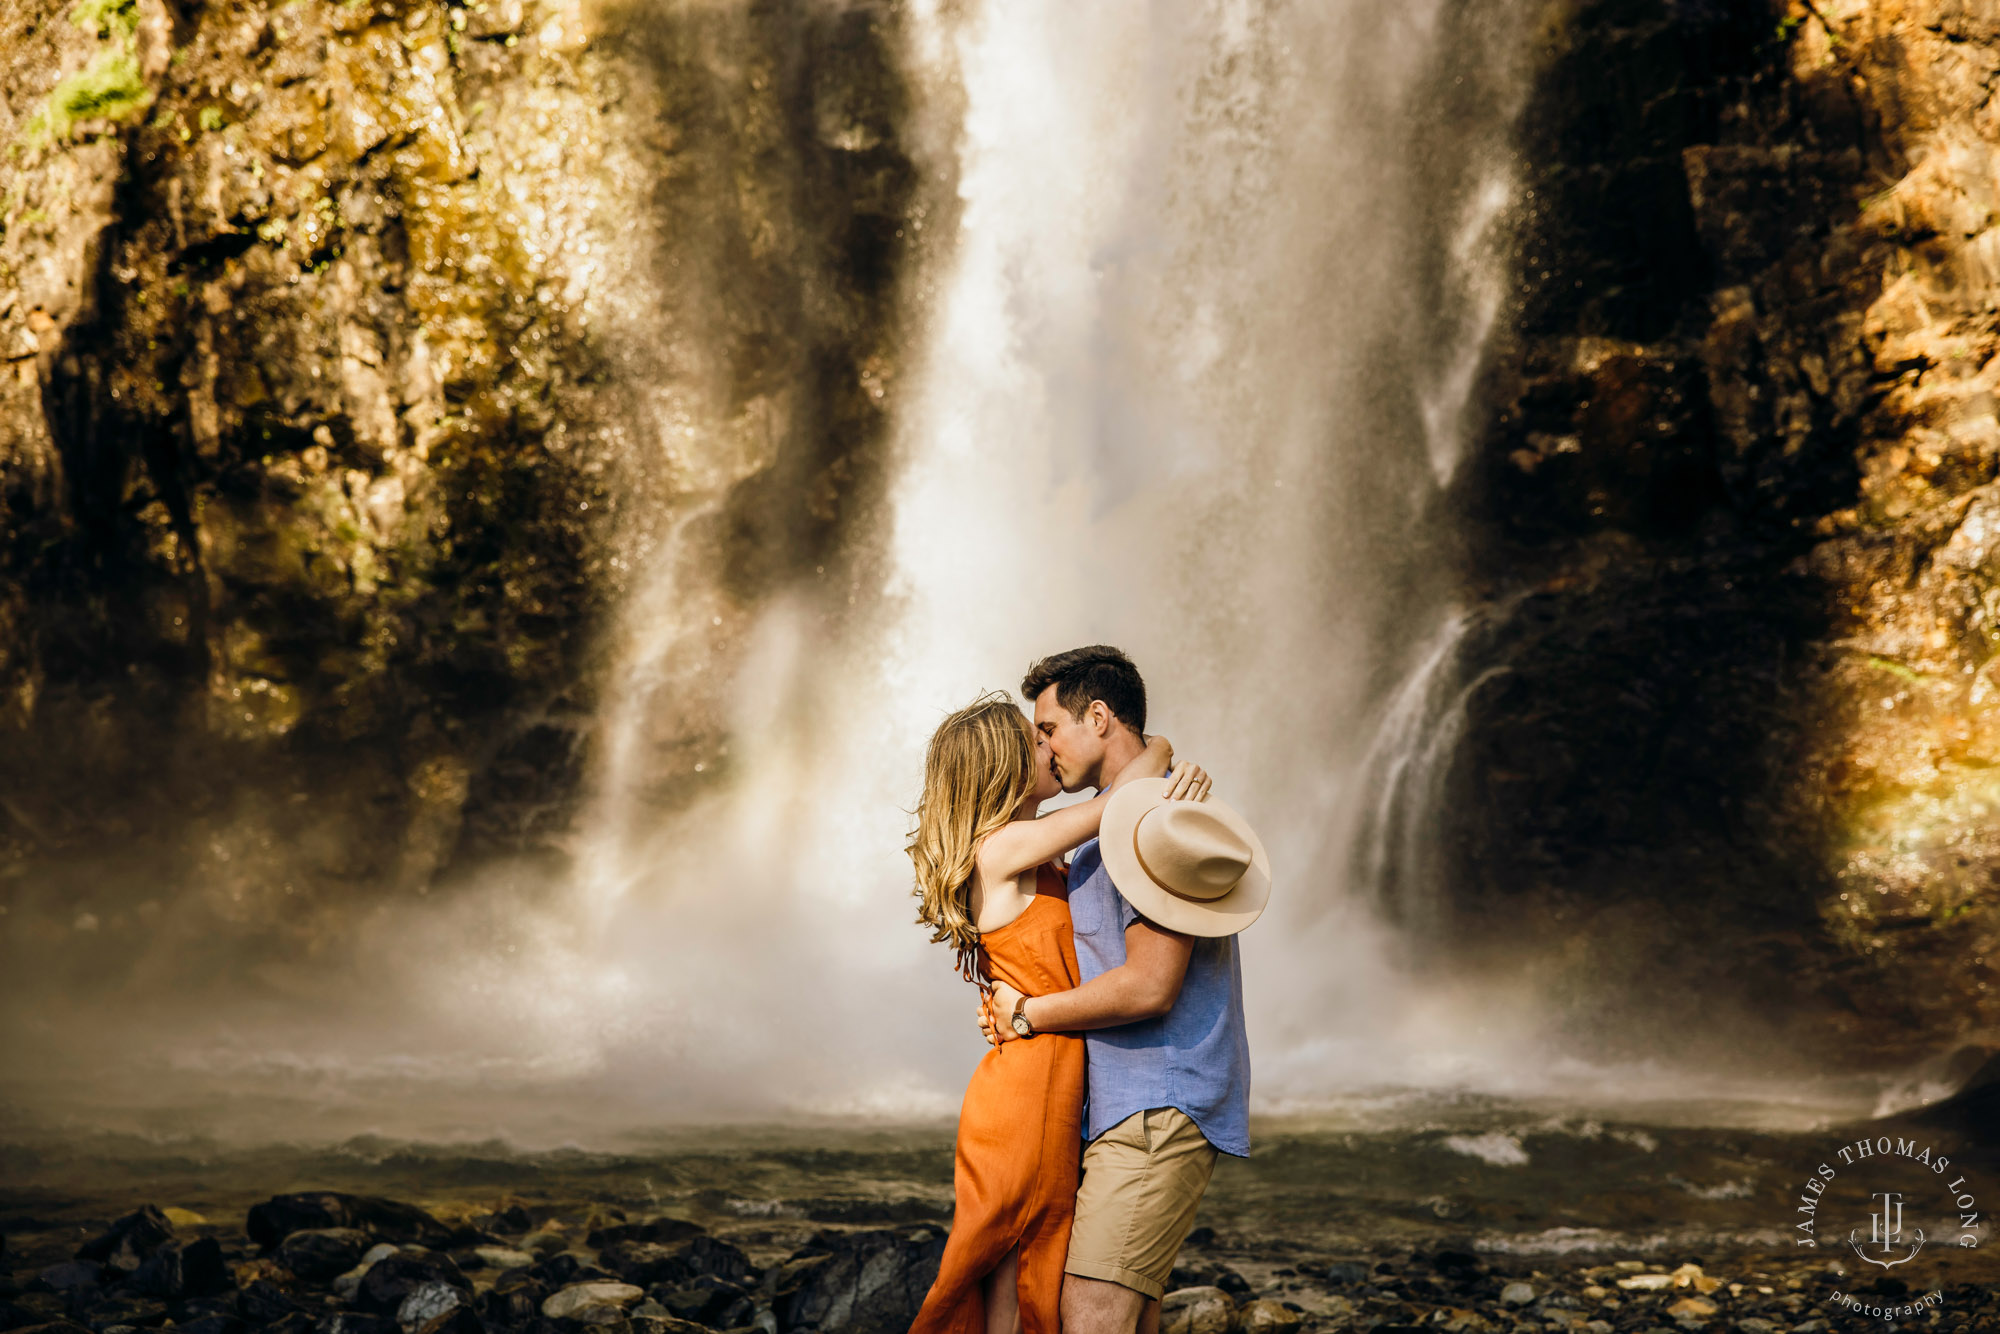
1183,370
1196,358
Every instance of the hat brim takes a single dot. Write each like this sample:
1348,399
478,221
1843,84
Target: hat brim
1224,915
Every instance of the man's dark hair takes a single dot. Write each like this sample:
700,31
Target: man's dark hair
1084,674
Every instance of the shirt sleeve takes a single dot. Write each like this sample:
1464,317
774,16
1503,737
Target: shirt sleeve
1127,914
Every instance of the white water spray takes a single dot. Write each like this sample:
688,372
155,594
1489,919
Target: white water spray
1174,395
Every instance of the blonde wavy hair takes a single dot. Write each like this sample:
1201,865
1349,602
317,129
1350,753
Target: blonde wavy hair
979,767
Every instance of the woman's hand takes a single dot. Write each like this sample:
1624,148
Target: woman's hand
1190,783
996,1014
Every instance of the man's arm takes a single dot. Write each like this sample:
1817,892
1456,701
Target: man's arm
1145,986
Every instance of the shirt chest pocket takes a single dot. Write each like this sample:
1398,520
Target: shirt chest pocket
1090,909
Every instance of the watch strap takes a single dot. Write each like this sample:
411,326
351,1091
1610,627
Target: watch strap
1020,1019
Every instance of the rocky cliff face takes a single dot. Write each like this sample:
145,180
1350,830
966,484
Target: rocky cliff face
354,355
1737,524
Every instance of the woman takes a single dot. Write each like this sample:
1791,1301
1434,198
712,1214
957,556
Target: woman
988,883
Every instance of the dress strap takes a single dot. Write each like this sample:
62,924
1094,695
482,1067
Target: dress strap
974,966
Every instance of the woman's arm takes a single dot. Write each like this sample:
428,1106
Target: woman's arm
1014,848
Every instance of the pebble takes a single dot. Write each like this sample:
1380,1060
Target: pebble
573,1300
1197,1311
428,1300
1517,1294
1268,1313
502,1257
545,1242
1692,1308
1646,1282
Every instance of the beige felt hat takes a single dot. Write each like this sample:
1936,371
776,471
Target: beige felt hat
1196,867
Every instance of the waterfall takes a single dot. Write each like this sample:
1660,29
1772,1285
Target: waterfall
1184,368
1187,379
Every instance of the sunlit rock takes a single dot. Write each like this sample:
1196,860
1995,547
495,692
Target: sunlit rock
1197,1311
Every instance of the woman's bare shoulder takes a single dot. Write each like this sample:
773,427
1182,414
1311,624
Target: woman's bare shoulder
996,903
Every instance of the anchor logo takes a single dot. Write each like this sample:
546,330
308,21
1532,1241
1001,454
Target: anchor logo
1885,1230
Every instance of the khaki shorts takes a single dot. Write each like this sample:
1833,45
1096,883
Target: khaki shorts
1142,1180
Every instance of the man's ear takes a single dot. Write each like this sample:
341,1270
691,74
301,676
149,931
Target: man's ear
1100,717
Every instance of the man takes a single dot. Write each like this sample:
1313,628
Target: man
1161,1006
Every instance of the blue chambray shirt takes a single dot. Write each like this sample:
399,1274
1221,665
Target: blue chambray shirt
1195,1057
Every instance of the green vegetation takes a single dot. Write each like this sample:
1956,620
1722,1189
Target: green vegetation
210,118
104,18
109,86
1894,668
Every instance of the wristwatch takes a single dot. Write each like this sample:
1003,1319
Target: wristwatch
1022,1028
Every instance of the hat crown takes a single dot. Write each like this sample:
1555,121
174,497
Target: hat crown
1191,849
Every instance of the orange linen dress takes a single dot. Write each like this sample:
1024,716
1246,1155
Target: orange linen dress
1020,1137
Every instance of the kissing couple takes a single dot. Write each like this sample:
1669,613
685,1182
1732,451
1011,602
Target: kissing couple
1111,993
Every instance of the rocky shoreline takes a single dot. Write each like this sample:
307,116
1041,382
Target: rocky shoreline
337,1263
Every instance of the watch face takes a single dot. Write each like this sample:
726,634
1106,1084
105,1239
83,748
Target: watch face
1021,1026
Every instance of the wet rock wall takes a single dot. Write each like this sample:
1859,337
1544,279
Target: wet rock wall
356,356
1732,527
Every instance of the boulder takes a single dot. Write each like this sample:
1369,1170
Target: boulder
708,1300
31,1308
561,1270
70,1276
515,1298
1207,1310
459,1319
219,1323
858,1282
181,1269
662,1230
263,1302
201,1308
647,1263
580,1301
128,1311
394,1277
271,1222
427,1301
354,1322
124,1246
322,1254
345,1286
650,1323
513,1218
